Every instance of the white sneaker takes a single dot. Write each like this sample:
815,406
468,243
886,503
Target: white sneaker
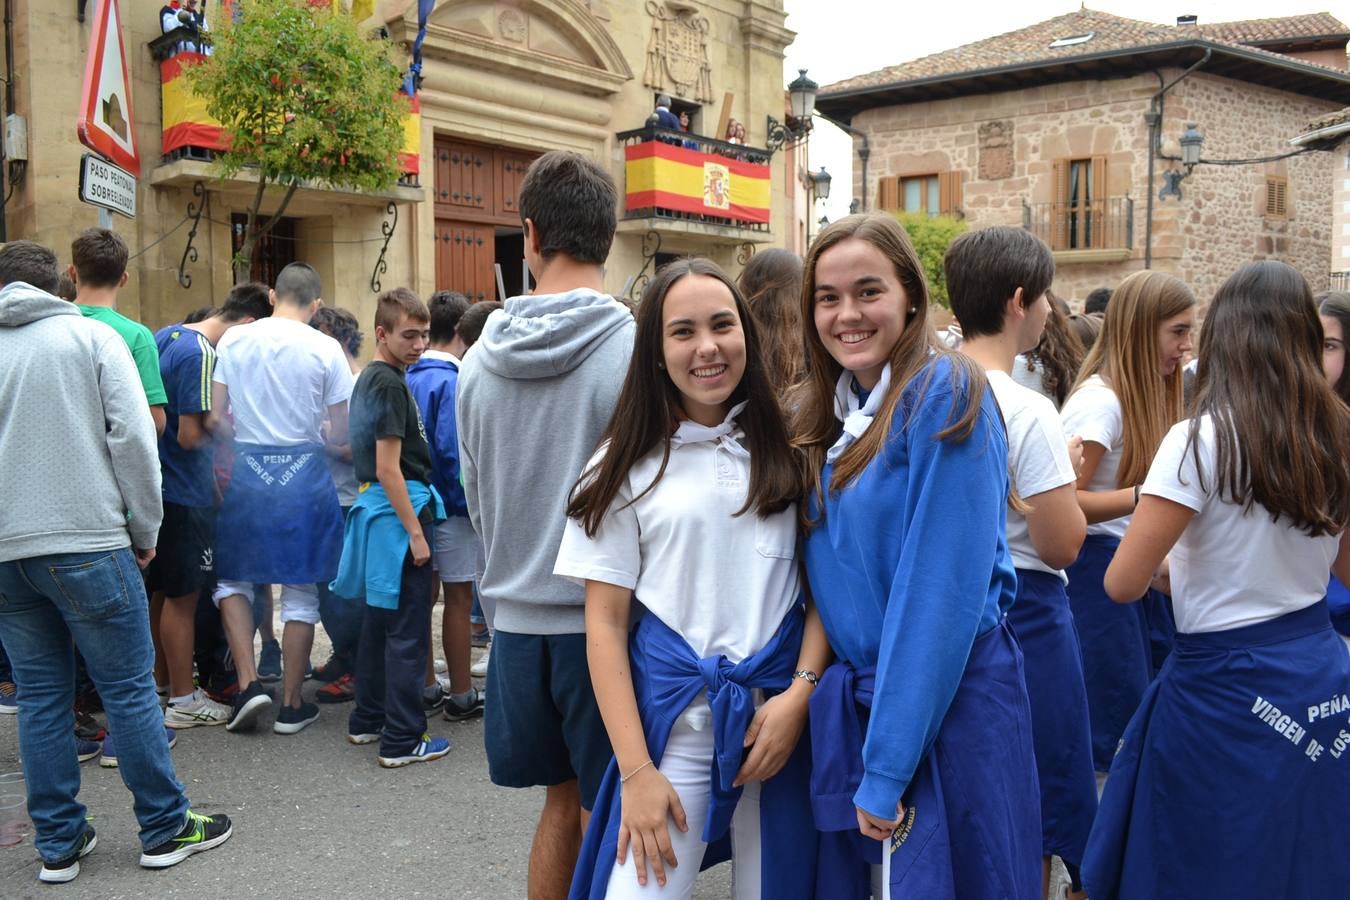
479,668
201,710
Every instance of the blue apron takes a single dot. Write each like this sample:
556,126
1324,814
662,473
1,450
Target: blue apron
1234,776
971,829
1116,646
1338,600
280,522
667,677
1043,625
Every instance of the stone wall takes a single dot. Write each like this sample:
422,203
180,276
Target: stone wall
1215,226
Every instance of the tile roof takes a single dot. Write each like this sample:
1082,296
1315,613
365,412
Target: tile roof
1340,117
1031,45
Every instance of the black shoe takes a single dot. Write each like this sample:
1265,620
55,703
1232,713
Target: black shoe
432,698
198,834
247,704
458,713
335,668
294,719
66,869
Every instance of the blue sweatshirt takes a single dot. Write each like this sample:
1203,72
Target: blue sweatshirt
909,565
433,383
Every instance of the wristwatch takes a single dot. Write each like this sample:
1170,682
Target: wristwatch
807,675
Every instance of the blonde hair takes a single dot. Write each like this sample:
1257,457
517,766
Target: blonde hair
1125,354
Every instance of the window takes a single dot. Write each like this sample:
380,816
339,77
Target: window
1277,196
275,251
930,194
1080,219
1071,40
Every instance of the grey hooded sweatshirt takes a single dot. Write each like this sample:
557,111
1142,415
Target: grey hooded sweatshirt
534,395
79,466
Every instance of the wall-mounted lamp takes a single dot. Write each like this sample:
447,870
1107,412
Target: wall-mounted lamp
820,182
802,101
1192,142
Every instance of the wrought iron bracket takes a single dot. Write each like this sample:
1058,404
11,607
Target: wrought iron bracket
197,207
744,253
387,228
651,245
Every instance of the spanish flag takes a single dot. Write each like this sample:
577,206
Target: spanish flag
665,176
186,123
410,157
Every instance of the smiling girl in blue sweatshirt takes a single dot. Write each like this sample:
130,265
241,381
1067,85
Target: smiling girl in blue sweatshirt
921,731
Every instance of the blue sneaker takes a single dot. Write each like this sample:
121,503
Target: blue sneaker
87,750
269,662
427,749
9,698
109,759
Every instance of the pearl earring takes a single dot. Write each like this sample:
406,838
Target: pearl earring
913,310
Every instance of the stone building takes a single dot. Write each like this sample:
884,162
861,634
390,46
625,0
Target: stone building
1071,128
1332,133
504,82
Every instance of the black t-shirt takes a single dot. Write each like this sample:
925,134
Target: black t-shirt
382,406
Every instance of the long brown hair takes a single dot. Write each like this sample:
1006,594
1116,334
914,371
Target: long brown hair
1126,356
815,426
771,283
1059,354
648,411
1281,433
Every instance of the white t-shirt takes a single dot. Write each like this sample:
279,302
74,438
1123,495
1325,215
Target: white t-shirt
1093,413
282,376
1033,378
1231,568
724,584
1038,459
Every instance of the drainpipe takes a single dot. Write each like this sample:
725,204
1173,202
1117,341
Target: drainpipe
864,152
9,108
1154,120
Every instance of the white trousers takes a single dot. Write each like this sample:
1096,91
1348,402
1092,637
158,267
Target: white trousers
687,764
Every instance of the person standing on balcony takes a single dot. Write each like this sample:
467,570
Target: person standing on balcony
664,117
533,396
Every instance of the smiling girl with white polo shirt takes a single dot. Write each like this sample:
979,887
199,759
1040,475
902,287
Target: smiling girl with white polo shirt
687,516
1234,774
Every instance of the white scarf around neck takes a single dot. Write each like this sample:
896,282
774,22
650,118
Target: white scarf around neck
856,417
727,435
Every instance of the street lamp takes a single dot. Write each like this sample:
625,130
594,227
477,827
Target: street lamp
1192,142
802,103
821,184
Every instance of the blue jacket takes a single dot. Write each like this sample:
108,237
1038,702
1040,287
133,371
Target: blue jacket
433,383
374,545
667,677
909,565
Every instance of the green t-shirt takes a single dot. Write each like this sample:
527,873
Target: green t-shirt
142,345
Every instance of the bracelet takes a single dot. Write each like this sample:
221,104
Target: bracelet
1136,494
808,676
623,779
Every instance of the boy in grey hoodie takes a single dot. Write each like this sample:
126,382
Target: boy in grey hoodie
534,395
82,511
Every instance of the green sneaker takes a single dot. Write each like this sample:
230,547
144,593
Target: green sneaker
198,834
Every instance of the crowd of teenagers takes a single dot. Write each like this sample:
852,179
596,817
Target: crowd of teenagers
775,572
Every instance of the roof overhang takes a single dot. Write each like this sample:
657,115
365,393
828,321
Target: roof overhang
1229,61
1326,138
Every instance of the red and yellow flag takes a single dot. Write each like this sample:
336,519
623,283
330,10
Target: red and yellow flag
666,176
186,123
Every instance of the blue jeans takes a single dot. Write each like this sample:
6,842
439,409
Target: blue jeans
99,600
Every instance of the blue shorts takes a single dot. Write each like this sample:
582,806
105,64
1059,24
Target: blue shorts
542,725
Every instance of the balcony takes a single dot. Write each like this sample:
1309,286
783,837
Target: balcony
1340,281
682,183
1099,231
191,137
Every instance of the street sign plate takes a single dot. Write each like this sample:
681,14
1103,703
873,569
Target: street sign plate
105,185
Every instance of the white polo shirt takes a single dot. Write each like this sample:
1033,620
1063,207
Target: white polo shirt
1093,413
1232,567
722,582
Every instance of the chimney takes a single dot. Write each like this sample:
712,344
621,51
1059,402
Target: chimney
1188,20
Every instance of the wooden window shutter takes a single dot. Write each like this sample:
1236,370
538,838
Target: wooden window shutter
1100,205
1059,208
950,192
888,193
1277,196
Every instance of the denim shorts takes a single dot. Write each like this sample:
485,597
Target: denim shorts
543,726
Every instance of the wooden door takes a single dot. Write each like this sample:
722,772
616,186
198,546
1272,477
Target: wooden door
510,172
463,176
465,253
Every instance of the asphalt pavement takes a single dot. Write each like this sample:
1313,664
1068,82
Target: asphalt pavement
314,817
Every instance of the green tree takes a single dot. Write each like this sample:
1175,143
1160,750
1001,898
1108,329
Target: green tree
304,97
932,235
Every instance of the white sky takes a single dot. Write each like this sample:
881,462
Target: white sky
837,39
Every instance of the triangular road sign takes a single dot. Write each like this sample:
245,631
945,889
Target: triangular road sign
106,124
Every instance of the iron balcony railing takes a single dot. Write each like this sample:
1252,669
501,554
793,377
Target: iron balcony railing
1340,281
1106,224
736,152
